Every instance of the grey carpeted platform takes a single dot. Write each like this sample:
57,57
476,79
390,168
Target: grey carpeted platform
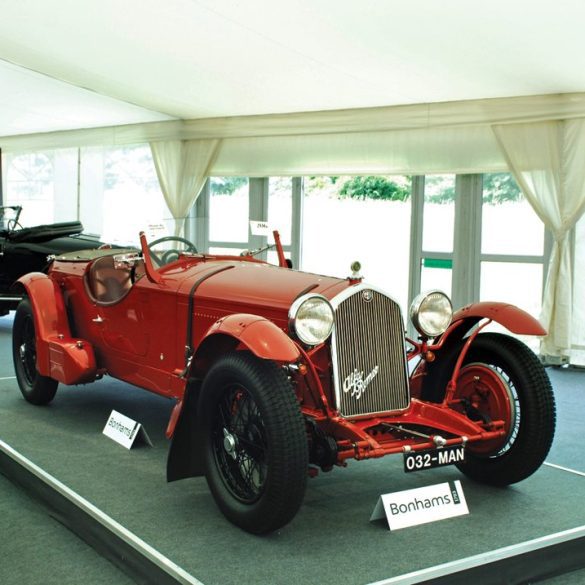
331,540
36,548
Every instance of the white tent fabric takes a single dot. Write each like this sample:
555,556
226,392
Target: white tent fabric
578,347
182,167
460,114
546,159
466,149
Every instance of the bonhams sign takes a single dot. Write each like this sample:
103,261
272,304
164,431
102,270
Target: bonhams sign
421,505
125,431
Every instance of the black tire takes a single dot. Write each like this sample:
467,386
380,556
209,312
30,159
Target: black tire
254,442
502,378
35,388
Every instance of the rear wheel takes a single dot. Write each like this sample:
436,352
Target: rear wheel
255,443
35,388
502,379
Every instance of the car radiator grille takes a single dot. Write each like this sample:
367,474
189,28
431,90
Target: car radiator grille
369,355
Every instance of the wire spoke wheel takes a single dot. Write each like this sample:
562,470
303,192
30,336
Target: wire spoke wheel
254,442
239,444
27,350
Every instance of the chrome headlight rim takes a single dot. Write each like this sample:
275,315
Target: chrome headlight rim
417,310
293,314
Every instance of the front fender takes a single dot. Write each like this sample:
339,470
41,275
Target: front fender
256,334
59,356
511,317
449,346
259,335
514,319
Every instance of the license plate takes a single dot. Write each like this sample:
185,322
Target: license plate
420,460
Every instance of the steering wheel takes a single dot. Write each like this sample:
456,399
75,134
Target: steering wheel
168,256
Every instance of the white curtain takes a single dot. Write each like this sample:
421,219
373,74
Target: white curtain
182,167
548,162
578,348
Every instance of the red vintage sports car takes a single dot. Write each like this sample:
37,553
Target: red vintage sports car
278,373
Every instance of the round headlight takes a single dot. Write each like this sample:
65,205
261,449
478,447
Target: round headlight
431,313
311,319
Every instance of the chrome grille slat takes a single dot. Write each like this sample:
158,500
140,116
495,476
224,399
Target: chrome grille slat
369,334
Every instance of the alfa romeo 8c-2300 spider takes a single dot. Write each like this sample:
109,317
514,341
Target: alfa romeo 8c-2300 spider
278,373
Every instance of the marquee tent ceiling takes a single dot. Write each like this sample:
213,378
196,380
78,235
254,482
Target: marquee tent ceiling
85,63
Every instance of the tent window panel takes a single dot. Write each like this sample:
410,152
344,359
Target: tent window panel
439,213
280,207
359,218
228,209
509,225
121,196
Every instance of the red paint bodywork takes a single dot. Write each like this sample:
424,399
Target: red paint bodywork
510,316
59,355
142,340
258,334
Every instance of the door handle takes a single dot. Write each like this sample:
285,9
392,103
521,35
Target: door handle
98,319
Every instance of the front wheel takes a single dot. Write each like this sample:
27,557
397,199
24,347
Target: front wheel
254,442
502,379
35,388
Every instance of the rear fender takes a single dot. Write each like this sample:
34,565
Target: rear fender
59,356
256,334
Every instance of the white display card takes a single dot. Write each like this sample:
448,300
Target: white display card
125,431
260,228
154,231
421,505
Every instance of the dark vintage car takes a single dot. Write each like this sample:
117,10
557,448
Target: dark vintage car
278,374
24,250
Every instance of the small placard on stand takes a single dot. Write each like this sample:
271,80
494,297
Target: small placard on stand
155,231
125,431
260,228
421,505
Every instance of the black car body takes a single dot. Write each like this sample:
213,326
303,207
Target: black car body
24,250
